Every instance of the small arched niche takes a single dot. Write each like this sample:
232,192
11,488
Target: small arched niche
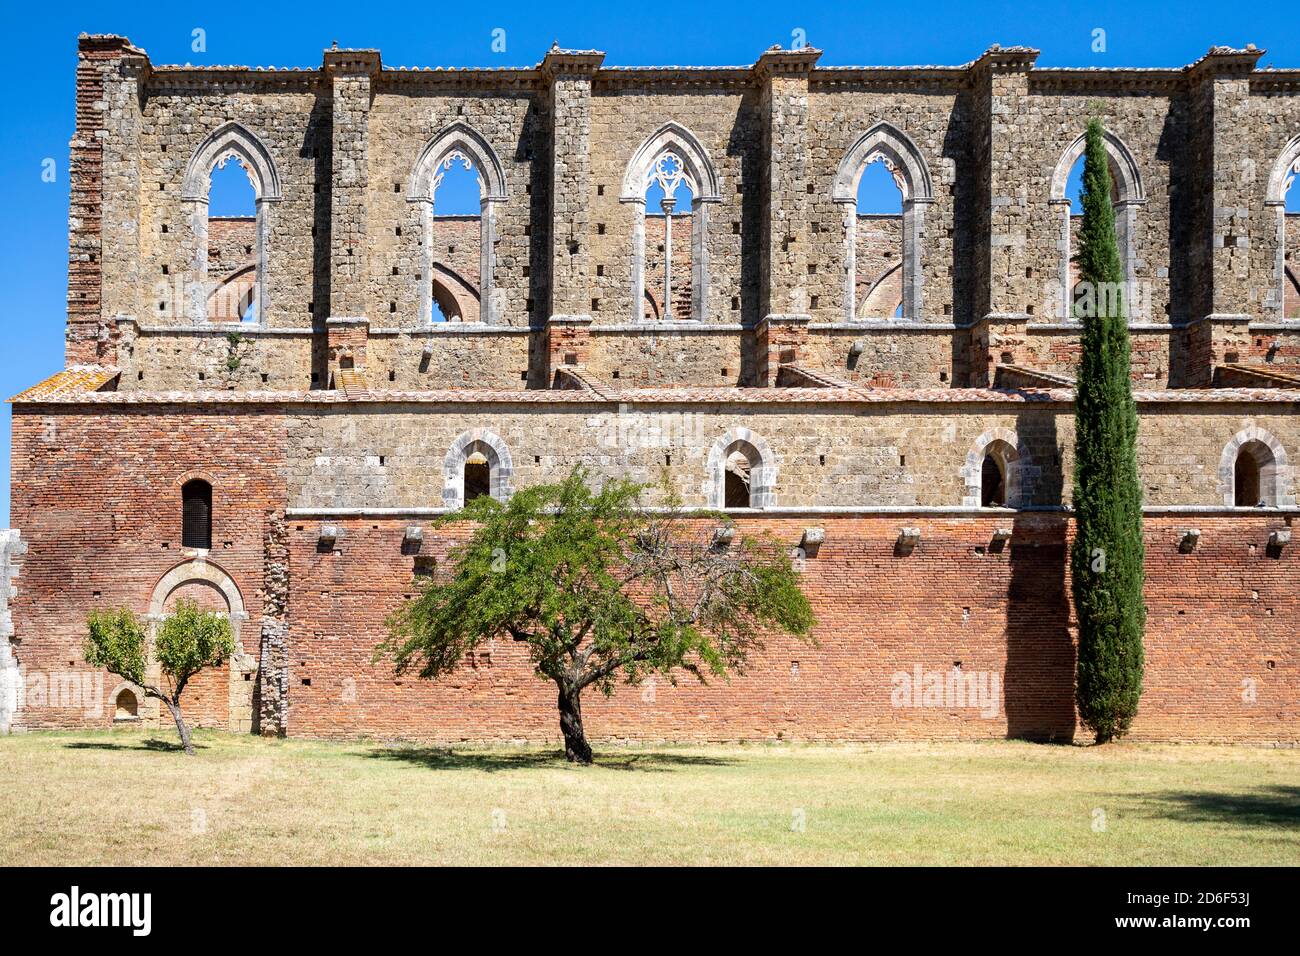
1254,476
736,478
1254,471
126,706
998,472
993,476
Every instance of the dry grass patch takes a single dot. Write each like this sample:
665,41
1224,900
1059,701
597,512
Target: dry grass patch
124,797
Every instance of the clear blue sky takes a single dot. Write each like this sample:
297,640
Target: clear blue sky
37,121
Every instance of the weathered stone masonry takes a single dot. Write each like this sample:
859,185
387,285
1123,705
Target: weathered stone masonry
931,450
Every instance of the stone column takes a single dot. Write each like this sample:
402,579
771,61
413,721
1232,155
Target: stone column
1225,174
1232,174
271,713
1007,279
996,339
103,278
348,338
1212,342
568,75
668,206
351,74
783,79
1001,79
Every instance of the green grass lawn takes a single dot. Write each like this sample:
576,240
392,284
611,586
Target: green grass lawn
127,797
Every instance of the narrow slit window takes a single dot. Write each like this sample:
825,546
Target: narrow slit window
196,523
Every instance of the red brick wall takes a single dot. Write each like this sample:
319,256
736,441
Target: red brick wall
102,497
1222,622
85,213
879,614
456,243
655,231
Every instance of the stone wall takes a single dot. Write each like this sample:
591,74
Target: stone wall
830,453
12,549
345,218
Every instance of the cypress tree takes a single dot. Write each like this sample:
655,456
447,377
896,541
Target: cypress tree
1106,561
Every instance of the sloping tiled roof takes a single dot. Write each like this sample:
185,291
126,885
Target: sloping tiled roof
1020,376
352,382
799,376
1263,376
69,383
574,377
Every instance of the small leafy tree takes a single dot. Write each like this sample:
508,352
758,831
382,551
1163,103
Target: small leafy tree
598,588
188,641
1107,559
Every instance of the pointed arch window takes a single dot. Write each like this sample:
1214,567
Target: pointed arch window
454,150
886,144
1127,198
1284,299
671,168
235,287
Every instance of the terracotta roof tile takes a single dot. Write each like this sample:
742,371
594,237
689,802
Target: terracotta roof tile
352,382
665,396
71,382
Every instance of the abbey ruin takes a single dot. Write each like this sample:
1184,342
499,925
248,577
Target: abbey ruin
669,273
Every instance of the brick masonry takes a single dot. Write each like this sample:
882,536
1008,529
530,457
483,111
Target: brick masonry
341,408
1219,615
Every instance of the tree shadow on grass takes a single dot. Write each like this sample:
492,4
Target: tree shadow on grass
442,758
157,746
1275,806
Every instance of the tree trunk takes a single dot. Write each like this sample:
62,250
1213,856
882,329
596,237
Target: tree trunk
180,726
576,748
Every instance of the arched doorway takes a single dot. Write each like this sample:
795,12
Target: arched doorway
220,696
